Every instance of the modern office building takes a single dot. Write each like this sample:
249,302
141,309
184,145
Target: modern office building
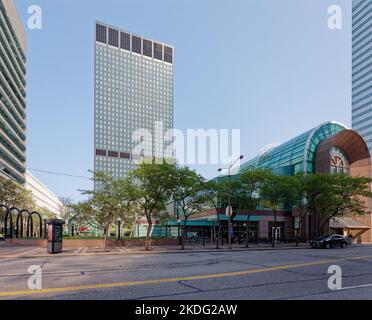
12,94
362,69
329,148
133,99
43,197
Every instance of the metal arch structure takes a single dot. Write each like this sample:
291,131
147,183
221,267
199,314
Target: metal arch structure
19,232
9,223
9,216
30,224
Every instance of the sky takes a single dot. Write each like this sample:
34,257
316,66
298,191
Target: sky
272,69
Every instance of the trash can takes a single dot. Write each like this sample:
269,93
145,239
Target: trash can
55,235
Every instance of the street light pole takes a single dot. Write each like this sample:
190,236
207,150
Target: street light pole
229,210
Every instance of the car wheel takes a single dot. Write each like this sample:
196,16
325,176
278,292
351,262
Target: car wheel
328,246
343,245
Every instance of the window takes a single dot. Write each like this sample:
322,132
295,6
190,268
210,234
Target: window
101,35
113,154
136,45
100,152
158,51
125,41
168,54
124,155
113,37
339,162
147,48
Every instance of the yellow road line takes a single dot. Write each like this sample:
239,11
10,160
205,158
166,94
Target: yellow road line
169,280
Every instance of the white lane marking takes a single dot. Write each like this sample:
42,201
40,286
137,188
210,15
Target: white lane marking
356,287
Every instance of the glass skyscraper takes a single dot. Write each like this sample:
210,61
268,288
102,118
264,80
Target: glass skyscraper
12,94
133,99
362,66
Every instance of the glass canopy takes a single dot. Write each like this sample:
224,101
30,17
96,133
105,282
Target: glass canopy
296,155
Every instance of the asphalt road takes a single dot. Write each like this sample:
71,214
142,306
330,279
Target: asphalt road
284,274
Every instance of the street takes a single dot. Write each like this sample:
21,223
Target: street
282,274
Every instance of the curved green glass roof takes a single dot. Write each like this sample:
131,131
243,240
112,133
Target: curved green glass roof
296,155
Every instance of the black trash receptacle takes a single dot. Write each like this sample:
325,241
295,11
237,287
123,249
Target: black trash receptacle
55,236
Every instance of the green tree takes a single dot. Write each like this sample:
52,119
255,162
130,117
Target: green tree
345,197
276,192
13,194
106,202
213,193
246,192
150,187
189,196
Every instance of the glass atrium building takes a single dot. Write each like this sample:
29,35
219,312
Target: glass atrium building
329,148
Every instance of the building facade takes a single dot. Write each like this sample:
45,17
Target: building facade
329,148
43,197
12,94
133,99
362,67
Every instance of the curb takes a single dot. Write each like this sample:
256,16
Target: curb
92,254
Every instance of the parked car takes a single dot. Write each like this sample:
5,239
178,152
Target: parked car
330,241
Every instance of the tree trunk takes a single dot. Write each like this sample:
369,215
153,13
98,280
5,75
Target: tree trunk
275,226
148,235
247,230
325,222
183,235
105,239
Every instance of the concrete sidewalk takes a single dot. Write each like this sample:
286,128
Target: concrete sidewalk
8,251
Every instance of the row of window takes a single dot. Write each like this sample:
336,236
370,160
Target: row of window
133,43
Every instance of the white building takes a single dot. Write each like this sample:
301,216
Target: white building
43,197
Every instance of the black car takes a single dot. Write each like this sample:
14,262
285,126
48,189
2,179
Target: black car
330,241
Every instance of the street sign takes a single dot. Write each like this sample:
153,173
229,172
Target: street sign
297,223
229,211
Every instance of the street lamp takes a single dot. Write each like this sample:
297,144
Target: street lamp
229,211
119,220
45,219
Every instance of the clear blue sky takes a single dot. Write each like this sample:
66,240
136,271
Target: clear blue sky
270,68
